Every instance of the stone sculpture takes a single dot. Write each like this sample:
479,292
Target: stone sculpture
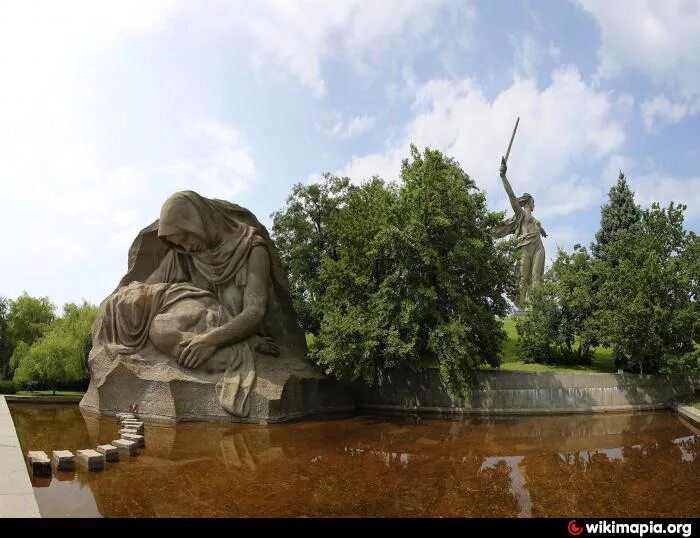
529,233
203,307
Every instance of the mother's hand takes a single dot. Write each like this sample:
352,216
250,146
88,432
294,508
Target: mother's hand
196,350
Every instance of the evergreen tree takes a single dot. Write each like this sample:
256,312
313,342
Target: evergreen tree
620,213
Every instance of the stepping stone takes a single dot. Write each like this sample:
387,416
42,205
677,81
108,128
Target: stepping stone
110,452
129,430
128,448
140,440
64,460
39,462
123,416
91,459
138,426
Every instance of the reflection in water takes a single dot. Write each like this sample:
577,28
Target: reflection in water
517,481
587,466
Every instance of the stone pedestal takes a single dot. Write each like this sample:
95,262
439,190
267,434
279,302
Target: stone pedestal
64,460
91,460
284,389
110,452
138,439
126,448
39,462
136,426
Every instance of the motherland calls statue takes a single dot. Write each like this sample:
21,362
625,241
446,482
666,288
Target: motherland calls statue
204,306
528,232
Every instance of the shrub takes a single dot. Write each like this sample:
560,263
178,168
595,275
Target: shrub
7,386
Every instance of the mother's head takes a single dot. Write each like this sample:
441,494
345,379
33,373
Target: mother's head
181,223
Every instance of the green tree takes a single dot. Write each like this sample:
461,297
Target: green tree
28,320
29,317
559,326
60,355
5,344
305,232
417,277
48,362
620,213
648,307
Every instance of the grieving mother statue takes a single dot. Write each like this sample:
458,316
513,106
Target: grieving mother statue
208,291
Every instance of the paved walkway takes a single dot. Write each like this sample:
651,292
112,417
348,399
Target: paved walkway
689,412
16,493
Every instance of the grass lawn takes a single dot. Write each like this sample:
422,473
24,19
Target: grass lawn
48,393
602,358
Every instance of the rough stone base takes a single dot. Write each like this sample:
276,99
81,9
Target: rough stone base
284,389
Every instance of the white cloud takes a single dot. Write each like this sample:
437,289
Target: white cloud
298,36
657,39
353,126
561,127
67,211
659,110
225,169
527,55
560,237
663,188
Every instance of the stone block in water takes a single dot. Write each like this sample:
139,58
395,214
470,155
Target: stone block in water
64,460
123,416
91,459
126,447
128,430
140,440
138,426
39,462
110,452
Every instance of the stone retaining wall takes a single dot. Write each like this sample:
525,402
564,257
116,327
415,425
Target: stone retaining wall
525,393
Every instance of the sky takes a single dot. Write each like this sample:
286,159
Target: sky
107,108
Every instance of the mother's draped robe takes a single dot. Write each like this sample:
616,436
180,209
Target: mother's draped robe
220,271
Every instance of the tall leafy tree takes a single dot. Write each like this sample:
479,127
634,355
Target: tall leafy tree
29,317
417,277
305,232
648,302
620,213
559,326
60,354
28,320
5,344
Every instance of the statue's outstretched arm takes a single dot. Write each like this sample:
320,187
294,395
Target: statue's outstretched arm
203,346
509,190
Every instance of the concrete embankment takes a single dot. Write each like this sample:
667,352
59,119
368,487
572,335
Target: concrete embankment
16,493
525,393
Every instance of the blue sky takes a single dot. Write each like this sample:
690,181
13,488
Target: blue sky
106,108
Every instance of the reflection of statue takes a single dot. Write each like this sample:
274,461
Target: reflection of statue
213,295
527,230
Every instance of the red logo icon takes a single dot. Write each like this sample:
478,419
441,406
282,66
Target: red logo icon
574,529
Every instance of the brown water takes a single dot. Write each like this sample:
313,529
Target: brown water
643,464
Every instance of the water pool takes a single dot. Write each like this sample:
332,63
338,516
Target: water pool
631,464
